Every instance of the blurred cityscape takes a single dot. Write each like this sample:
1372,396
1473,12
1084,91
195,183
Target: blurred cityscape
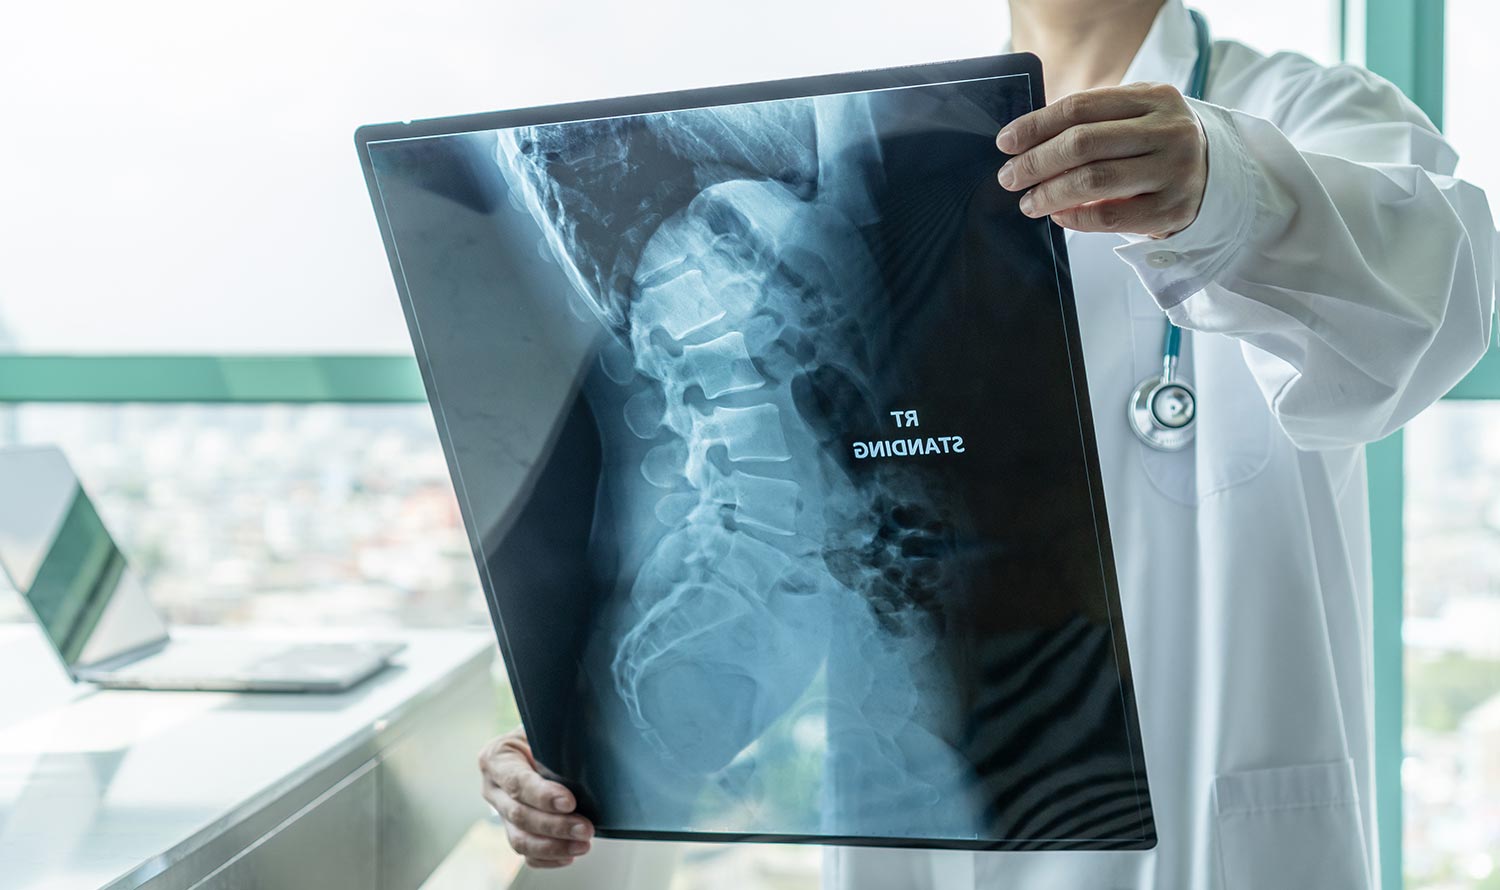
1451,774
274,514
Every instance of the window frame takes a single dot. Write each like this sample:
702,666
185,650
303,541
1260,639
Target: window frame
214,379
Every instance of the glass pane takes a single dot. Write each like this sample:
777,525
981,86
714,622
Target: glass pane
1309,27
181,176
1451,774
321,515
1472,66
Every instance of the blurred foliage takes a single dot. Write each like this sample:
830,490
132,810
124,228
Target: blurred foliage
1441,690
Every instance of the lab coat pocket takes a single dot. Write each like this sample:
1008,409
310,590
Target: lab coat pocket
1291,828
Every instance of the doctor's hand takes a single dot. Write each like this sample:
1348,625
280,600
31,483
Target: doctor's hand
1120,159
537,813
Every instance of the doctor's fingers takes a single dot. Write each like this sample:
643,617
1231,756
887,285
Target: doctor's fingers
1099,181
1160,215
513,806
507,768
1090,106
1075,147
543,852
537,822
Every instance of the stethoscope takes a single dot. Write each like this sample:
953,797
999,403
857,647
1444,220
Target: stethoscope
1163,410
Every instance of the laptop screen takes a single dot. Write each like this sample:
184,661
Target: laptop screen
766,412
58,554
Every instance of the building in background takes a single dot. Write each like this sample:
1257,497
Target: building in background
275,514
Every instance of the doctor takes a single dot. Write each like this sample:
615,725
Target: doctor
1330,279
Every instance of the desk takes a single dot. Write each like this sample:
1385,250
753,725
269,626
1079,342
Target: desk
209,791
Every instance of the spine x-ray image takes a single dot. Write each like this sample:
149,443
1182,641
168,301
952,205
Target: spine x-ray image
768,422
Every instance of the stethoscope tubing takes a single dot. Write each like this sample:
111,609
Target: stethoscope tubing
1197,88
1144,410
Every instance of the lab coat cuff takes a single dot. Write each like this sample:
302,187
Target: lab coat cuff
1180,265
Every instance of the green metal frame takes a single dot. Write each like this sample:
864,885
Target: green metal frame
1404,44
216,379
1403,41
1384,467
1483,383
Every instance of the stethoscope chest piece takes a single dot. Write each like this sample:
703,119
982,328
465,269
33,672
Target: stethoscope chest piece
1162,412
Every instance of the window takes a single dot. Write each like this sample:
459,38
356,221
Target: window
181,177
1451,771
1309,28
1470,69
223,211
1450,774
274,514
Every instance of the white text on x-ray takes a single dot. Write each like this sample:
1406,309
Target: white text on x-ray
912,446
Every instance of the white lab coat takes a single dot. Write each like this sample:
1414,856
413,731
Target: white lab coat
1336,281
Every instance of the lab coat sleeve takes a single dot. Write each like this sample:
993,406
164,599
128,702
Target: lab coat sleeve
1336,246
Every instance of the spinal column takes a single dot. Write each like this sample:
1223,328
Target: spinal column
736,296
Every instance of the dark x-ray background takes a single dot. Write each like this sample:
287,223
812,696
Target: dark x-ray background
653,341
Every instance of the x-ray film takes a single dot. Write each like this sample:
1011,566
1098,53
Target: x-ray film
766,413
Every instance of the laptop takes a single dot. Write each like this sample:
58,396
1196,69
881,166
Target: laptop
56,551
